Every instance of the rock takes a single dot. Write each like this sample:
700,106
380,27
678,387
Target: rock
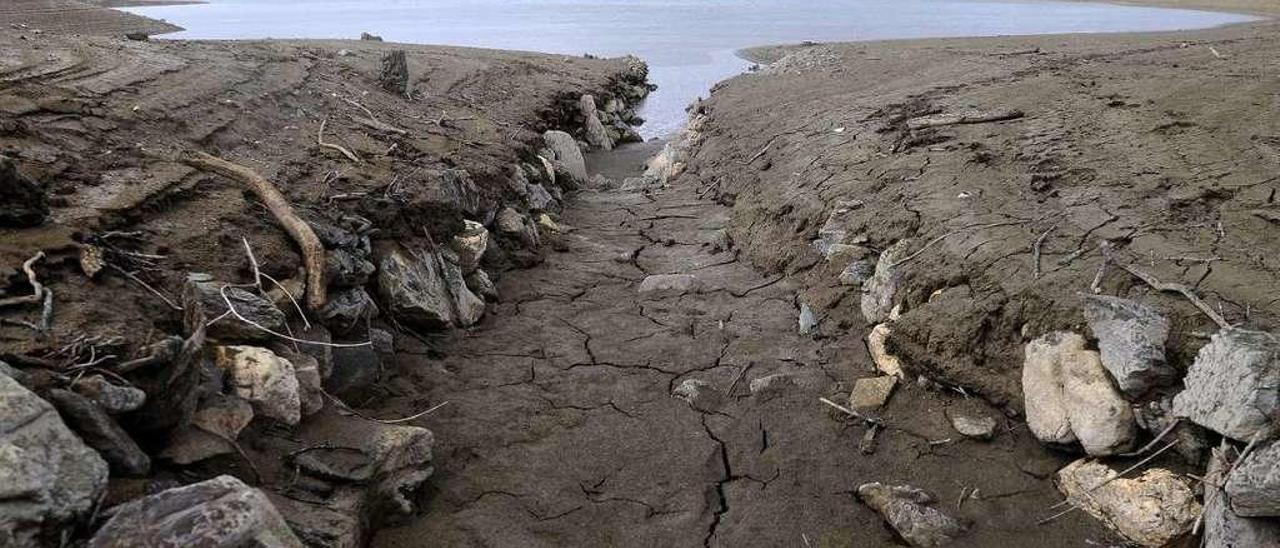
467,307
384,342
905,509
470,245
1194,441
336,523
700,395
834,231
13,373
880,292
1231,386
101,432
674,283
112,398
480,284
1131,339
219,419
370,37
595,132
346,268
25,204
354,368
807,320
349,309
981,427
323,353
768,387
885,362
219,513
137,36
1254,486
540,199
249,305
1069,397
1223,528
48,477
372,451
413,289
510,222
307,370
872,392
264,379
1150,510
548,225
566,151
857,273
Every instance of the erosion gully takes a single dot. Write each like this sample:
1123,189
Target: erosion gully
562,428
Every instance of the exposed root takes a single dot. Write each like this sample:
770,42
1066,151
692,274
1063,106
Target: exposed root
37,293
320,141
1170,288
312,249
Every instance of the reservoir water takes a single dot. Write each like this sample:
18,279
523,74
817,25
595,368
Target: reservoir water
689,44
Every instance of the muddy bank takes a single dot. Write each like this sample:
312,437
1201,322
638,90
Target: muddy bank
189,321
34,17
969,198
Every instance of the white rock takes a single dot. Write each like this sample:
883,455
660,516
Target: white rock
885,362
265,380
1069,397
1149,510
470,245
880,292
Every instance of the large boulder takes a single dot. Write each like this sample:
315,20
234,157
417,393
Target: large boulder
1069,397
48,477
1254,484
24,201
907,510
1232,388
264,379
1151,510
101,432
1223,527
1131,339
219,513
593,129
567,153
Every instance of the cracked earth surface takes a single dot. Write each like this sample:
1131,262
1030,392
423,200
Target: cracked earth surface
562,429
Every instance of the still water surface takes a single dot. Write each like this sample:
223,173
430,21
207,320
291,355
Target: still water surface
689,44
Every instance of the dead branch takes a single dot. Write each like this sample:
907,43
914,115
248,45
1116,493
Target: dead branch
972,117
1169,288
312,249
1035,251
320,141
851,412
37,293
931,243
372,121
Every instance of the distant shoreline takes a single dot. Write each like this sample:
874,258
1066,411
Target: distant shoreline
145,3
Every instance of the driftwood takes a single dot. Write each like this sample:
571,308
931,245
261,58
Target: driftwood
395,73
970,117
37,293
320,141
299,230
372,121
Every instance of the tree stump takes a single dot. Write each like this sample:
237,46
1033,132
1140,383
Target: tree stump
395,73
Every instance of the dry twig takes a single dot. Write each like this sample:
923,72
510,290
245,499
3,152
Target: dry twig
1169,288
37,293
1035,251
320,141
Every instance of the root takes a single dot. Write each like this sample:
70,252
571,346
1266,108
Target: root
312,249
37,293
1035,251
348,409
975,117
1169,288
320,141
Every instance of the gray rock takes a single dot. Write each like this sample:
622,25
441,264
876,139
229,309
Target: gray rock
264,379
467,307
673,283
980,427
566,151
857,273
1223,528
906,509
540,199
349,309
1232,386
807,320
13,373
413,289
24,201
310,381
336,523
480,284
1254,486
249,305
1069,397
219,513
384,342
48,477
700,395
112,398
1194,441
470,245
593,128
1150,510
1131,339
101,432
373,451
346,268
510,222
880,292
354,368
834,231
213,427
